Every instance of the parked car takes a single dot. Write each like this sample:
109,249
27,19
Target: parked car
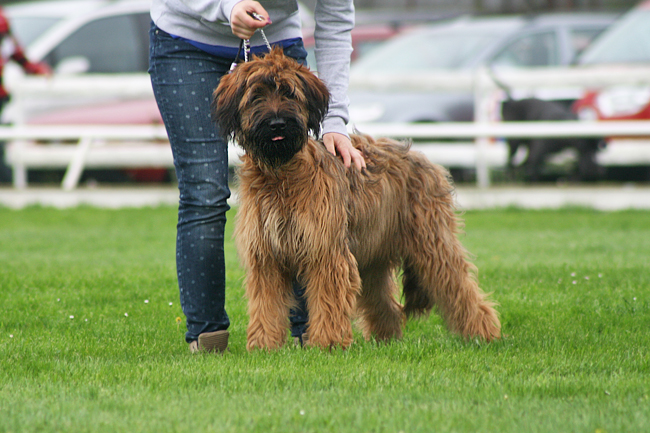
463,44
88,37
78,37
91,36
627,42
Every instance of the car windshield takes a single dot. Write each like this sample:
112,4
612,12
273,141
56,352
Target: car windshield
427,50
627,42
28,29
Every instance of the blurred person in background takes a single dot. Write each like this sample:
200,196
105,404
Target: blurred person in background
192,45
10,49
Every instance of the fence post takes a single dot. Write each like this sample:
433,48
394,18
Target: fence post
19,170
76,166
483,89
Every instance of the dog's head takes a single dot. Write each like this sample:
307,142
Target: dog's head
270,105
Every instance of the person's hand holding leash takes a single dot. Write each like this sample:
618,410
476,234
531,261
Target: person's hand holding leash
242,21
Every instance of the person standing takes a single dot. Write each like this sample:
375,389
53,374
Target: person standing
10,49
192,45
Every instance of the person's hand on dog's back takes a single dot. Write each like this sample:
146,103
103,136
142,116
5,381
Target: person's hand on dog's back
243,23
340,144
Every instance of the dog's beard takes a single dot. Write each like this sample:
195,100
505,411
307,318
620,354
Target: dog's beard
272,145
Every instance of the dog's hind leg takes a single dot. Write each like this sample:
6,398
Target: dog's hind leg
332,286
379,311
417,301
447,280
269,296
537,152
437,271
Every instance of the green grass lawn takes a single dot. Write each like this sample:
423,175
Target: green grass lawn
90,339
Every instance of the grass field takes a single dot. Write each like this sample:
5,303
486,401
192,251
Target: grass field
90,339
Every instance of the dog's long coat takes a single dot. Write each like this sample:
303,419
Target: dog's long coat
342,233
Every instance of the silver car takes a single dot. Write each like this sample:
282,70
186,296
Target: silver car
463,44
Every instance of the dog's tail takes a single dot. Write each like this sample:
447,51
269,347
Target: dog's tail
500,84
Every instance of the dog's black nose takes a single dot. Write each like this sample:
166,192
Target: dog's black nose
277,124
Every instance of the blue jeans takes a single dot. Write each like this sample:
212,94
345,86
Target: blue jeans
183,79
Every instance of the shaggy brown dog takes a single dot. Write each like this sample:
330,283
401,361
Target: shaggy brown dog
342,233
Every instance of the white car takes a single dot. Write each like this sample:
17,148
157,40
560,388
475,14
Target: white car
100,36
91,45
89,36
86,36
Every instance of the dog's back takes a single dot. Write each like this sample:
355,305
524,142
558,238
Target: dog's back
397,182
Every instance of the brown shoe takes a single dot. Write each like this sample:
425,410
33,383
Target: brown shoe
211,342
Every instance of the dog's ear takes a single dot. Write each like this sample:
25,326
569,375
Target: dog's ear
318,99
225,103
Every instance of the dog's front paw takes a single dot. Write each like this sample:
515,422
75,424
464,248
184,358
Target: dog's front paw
263,343
330,341
258,339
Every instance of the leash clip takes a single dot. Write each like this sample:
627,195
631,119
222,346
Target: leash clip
245,44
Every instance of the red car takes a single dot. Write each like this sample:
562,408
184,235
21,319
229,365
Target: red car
615,103
626,42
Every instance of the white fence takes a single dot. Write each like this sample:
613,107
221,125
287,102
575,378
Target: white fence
32,146
76,147
483,152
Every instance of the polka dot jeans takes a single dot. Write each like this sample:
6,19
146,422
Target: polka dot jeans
183,79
